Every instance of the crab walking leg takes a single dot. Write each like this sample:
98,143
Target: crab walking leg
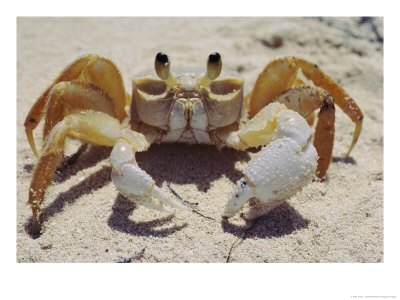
70,97
305,100
71,72
280,75
342,99
134,183
89,126
89,69
286,164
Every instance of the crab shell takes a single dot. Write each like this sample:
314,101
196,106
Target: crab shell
188,105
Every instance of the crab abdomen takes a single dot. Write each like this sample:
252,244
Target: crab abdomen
188,123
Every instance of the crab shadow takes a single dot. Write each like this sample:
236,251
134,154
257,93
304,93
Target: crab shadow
175,163
86,156
91,183
120,221
191,164
279,221
344,159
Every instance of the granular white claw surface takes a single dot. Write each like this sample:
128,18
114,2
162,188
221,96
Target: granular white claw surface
281,169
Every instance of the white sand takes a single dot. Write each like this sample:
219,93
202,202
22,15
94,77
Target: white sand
337,220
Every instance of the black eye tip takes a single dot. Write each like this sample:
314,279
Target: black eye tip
214,57
162,57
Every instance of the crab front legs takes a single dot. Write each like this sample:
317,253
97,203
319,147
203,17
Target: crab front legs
96,128
286,164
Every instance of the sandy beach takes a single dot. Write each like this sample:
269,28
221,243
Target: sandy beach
336,220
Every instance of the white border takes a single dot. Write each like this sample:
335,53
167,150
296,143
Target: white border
198,281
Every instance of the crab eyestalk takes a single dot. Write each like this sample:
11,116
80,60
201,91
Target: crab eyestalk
162,65
214,65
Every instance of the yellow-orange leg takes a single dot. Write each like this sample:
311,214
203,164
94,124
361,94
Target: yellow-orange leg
93,127
70,97
89,69
280,75
305,100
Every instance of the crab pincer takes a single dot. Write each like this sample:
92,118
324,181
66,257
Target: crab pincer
134,183
282,167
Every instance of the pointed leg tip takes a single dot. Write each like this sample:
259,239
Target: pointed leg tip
36,229
320,175
347,155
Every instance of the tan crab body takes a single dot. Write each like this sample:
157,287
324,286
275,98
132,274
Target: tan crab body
192,105
187,110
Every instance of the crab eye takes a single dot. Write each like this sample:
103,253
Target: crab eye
214,65
162,65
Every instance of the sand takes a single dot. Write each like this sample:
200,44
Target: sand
87,220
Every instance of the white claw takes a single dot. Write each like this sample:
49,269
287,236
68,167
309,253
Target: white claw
241,193
134,183
280,169
158,194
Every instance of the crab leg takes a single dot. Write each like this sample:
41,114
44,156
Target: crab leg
89,126
136,184
280,75
342,99
305,100
91,70
286,164
69,97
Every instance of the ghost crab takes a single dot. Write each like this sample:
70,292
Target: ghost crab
88,102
